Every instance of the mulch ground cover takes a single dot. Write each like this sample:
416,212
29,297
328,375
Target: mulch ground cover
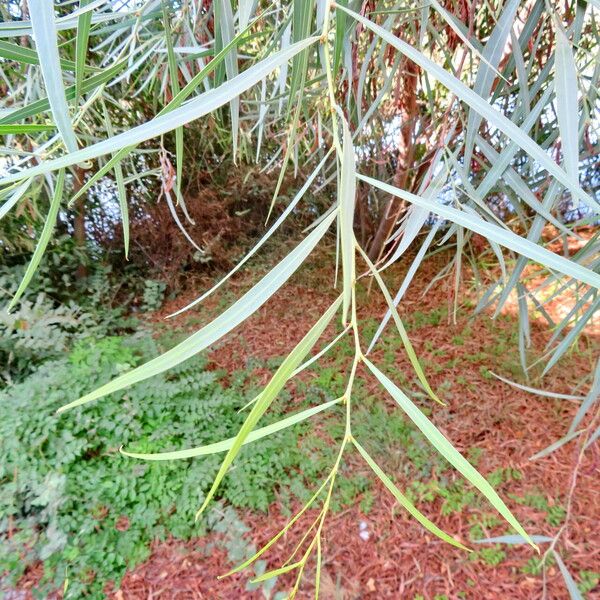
398,559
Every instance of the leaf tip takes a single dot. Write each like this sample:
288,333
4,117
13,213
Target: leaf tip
202,509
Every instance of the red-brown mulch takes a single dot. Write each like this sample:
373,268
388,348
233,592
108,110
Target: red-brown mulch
400,559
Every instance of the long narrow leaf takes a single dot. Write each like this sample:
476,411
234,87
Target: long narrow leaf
405,502
514,539
224,445
568,340
121,190
282,532
447,450
572,588
44,30
536,391
592,396
194,109
500,236
225,322
21,54
475,101
406,282
556,445
347,201
276,572
299,195
81,45
412,355
267,396
14,198
174,80
43,241
567,110
21,129
231,66
492,53
89,84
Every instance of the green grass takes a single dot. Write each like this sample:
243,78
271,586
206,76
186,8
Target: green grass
588,581
490,556
554,512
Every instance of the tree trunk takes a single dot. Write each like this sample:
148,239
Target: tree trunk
79,222
406,99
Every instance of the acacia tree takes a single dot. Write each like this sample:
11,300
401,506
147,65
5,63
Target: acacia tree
406,112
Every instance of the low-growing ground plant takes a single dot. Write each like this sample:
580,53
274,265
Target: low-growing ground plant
65,496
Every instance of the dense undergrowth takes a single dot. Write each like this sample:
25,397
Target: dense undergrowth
60,307
70,499
67,497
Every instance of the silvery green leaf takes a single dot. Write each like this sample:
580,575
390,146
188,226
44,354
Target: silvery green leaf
194,109
44,32
221,325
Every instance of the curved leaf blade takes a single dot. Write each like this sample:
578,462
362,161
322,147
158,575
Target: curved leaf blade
224,445
299,195
44,33
492,54
566,103
47,230
484,108
572,588
84,23
501,236
194,109
347,201
447,450
405,502
216,329
267,396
